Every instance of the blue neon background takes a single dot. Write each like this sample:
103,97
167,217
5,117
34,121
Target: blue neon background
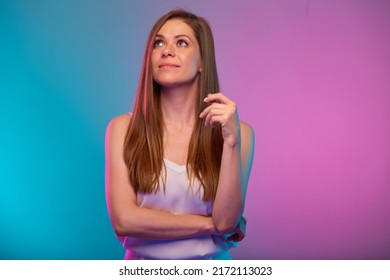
311,77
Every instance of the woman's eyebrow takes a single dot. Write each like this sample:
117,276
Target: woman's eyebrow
177,36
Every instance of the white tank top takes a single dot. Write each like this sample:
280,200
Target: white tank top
179,198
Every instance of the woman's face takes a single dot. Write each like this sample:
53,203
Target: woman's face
175,56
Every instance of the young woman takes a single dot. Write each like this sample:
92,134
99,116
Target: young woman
177,168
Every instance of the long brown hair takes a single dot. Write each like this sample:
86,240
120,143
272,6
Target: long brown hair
143,145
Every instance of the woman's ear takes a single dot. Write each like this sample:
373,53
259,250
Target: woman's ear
200,64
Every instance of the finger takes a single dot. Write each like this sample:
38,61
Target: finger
243,228
208,113
210,107
213,116
214,97
221,119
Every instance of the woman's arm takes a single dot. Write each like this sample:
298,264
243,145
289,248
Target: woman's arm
126,217
237,157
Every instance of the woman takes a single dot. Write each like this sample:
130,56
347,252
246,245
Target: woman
177,168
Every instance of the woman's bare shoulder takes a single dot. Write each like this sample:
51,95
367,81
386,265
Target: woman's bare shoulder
118,124
247,140
246,129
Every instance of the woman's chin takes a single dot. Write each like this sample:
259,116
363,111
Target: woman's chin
170,83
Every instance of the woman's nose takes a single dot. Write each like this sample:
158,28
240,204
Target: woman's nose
168,51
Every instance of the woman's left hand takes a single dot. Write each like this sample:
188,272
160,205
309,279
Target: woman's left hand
239,231
223,111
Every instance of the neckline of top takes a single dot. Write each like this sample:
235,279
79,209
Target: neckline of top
174,166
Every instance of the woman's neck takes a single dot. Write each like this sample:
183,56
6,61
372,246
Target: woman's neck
179,105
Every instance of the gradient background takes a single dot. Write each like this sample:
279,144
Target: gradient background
311,77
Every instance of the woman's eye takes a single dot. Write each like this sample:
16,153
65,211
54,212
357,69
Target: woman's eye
158,43
182,43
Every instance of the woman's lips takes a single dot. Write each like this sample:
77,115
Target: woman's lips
168,65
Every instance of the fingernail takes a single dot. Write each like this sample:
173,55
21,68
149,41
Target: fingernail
205,100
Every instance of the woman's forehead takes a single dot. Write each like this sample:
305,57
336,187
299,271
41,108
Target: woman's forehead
175,27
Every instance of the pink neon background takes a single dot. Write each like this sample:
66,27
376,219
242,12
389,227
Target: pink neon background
313,81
